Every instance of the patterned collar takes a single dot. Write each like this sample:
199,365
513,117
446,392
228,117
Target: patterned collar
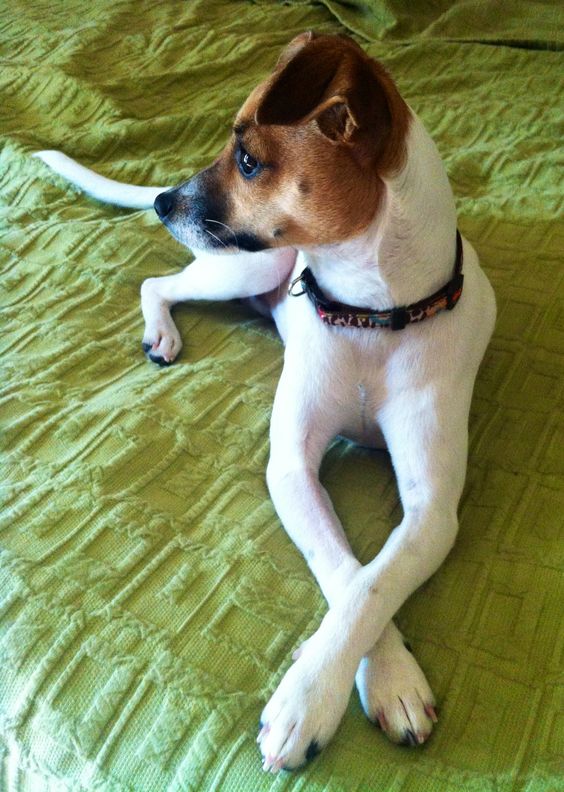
336,313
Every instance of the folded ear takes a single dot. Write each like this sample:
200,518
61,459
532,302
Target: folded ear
292,49
295,90
330,79
335,119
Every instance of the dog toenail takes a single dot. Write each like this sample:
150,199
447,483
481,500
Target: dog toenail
421,738
408,646
160,361
382,722
312,751
431,713
409,739
263,732
277,765
268,762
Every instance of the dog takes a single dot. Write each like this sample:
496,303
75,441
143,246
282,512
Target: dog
331,210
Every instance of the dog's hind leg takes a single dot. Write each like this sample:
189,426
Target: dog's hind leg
209,277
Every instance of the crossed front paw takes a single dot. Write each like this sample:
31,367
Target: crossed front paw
395,694
306,709
303,714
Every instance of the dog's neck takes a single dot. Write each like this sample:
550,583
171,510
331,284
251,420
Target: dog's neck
408,251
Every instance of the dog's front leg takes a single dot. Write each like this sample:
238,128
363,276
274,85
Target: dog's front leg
306,709
426,434
209,277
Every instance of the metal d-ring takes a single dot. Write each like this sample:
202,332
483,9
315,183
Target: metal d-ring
297,280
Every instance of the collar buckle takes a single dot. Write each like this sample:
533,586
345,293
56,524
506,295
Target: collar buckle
398,318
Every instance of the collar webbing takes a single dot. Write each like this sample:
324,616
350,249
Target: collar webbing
342,315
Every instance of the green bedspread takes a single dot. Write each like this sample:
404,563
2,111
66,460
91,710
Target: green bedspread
149,599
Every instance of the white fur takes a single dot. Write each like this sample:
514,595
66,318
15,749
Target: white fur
106,190
410,389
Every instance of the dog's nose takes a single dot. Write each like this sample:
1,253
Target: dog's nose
163,204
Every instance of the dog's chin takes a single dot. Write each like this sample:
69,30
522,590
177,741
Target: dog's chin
197,238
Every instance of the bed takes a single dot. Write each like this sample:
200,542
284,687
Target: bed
149,598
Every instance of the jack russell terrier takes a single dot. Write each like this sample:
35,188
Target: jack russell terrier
331,209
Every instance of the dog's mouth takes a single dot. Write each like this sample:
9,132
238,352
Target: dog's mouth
197,222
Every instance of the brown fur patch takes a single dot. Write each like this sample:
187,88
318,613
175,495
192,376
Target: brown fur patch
327,126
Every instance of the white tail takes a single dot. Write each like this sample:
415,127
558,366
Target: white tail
105,190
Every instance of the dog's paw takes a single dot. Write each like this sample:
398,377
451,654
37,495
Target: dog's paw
162,342
395,694
306,708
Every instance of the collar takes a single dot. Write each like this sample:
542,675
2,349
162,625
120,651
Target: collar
342,315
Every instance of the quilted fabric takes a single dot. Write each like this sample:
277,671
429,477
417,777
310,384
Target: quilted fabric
149,599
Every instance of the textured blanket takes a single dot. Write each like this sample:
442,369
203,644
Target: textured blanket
149,598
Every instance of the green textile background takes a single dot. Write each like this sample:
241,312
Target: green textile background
149,599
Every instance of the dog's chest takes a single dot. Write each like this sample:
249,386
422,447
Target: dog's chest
361,424
347,369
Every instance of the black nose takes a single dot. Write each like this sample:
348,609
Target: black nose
163,204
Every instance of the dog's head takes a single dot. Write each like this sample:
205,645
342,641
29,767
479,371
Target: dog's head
306,158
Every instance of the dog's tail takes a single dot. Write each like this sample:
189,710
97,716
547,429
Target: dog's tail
105,190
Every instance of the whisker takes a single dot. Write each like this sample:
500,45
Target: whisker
225,226
216,237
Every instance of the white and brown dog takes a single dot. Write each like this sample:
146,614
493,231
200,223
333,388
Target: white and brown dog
330,194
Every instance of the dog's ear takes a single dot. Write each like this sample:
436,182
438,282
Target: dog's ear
300,83
292,49
329,79
335,118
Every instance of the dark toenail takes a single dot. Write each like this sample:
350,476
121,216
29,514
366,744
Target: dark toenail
146,347
261,725
312,751
160,361
409,738
377,721
310,754
408,646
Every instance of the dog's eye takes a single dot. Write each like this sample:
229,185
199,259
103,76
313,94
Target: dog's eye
248,165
